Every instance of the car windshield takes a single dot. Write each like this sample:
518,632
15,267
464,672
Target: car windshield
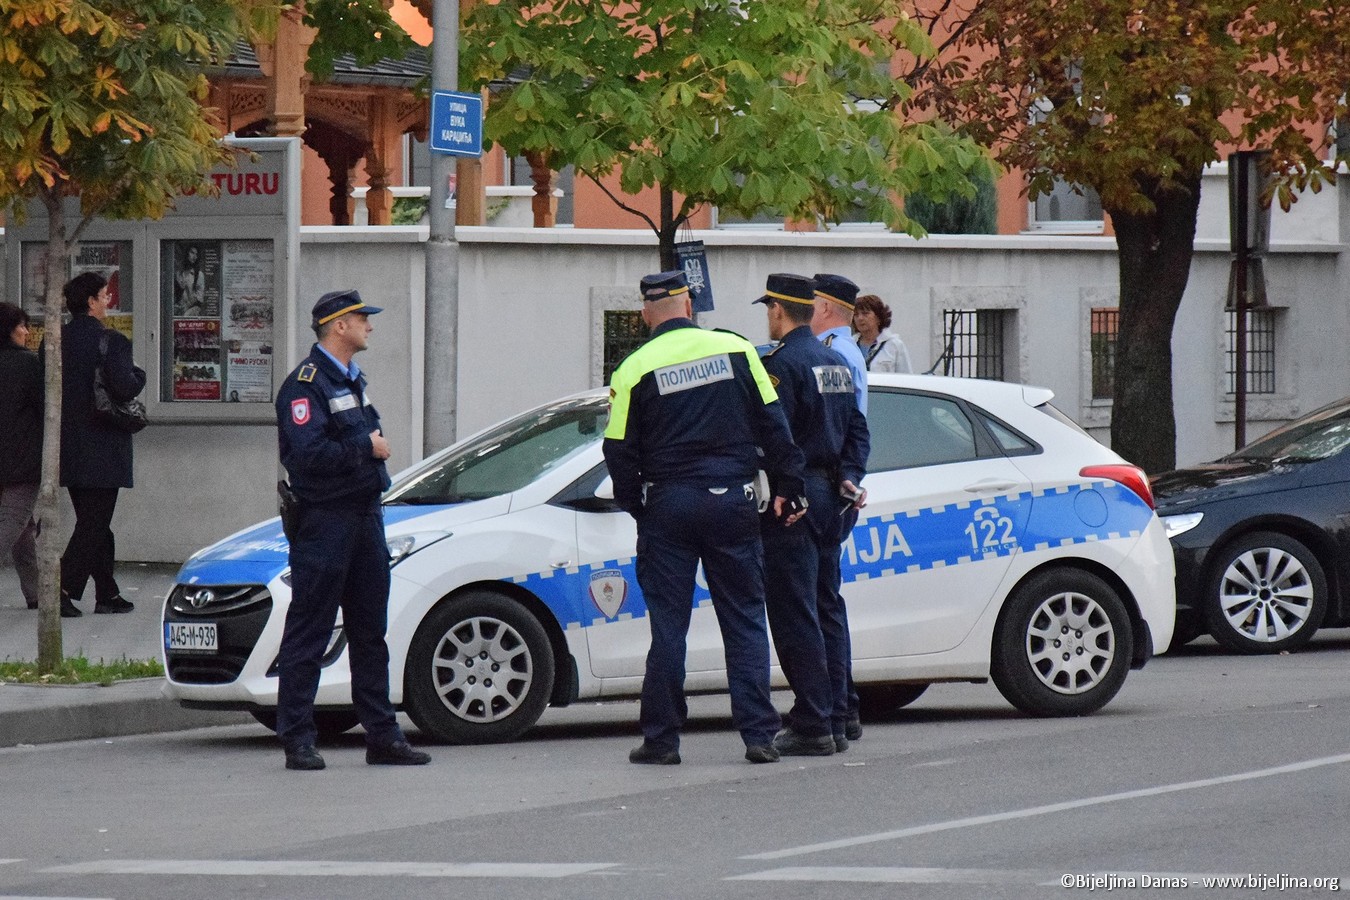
507,457
1316,436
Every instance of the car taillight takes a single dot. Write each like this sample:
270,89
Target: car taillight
1131,477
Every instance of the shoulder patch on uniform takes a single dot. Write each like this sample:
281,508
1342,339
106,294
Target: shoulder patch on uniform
773,380
307,372
829,340
300,411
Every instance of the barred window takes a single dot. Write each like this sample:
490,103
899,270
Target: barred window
1104,324
1260,351
973,342
624,332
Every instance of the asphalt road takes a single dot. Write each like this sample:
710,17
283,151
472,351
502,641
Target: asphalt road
1206,766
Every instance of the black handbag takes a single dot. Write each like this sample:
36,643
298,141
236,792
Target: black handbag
123,415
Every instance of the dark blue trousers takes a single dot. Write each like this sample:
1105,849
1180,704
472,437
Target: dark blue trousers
834,616
339,559
680,525
791,573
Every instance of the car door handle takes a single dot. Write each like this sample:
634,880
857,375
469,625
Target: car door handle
990,486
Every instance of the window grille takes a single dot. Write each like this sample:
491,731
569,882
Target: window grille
624,332
1103,327
1260,351
973,342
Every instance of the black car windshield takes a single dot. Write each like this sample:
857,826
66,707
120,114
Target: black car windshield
507,457
1318,435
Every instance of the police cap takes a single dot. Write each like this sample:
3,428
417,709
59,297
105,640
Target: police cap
788,288
339,303
837,288
663,285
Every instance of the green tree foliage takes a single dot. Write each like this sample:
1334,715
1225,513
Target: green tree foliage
362,28
745,104
957,214
1133,100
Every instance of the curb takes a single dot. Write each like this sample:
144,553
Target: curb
45,714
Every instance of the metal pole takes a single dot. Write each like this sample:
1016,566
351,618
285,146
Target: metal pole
441,324
1240,301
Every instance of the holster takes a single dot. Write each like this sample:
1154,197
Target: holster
288,505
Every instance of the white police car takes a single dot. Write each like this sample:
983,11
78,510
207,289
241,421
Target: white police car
999,541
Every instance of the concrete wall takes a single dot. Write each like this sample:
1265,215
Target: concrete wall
529,332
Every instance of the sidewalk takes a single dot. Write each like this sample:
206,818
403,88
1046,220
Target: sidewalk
39,714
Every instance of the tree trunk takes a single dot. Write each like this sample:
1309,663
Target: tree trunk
50,652
665,236
1155,251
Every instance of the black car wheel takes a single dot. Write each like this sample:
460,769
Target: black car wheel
330,723
479,671
1063,644
1266,593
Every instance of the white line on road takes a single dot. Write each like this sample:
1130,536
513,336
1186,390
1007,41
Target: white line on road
895,875
339,868
975,821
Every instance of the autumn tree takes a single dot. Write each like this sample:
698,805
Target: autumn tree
1133,100
749,105
101,100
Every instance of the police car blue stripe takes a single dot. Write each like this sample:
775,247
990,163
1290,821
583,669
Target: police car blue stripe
906,541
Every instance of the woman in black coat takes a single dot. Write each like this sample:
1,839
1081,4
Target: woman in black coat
20,447
95,459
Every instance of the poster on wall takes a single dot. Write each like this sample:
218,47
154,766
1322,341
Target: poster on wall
196,359
219,306
109,259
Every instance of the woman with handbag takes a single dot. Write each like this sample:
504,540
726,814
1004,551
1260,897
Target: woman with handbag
20,447
95,456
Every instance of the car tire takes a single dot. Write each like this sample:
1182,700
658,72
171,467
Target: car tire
1187,629
1062,645
1266,593
330,723
876,701
479,671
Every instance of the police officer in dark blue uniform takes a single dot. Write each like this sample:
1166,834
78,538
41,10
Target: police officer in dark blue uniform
688,410
816,390
334,452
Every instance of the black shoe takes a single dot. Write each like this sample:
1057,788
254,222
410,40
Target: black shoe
647,755
68,608
761,753
853,728
114,605
305,758
399,753
840,743
790,743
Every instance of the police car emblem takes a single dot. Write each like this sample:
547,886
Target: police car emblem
201,597
300,411
608,591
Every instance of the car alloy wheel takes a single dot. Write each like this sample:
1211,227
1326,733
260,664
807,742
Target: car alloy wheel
1267,593
1062,645
479,670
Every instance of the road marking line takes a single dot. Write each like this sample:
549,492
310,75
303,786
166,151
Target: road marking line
894,875
975,821
17,897
340,868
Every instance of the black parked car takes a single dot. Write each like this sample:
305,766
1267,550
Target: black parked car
1262,537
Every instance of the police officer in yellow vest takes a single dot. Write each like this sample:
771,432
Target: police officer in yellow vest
334,450
688,411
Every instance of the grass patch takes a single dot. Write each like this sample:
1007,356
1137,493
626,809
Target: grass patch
78,670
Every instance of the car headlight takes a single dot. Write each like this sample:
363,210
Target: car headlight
405,545
1175,525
